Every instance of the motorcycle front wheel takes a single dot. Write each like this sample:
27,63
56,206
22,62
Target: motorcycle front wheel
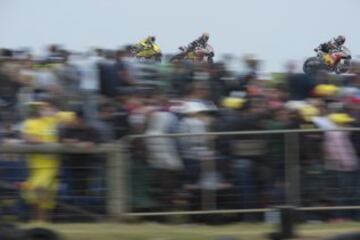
311,65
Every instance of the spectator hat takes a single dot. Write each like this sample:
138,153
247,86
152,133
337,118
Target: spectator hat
326,90
341,118
309,112
233,103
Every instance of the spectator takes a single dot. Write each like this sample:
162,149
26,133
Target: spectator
279,119
123,78
134,103
105,124
236,170
275,98
342,165
89,83
182,77
126,103
107,75
217,73
113,120
69,76
41,187
80,133
163,155
355,114
243,151
27,76
299,85
46,83
312,161
200,93
195,149
9,86
355,137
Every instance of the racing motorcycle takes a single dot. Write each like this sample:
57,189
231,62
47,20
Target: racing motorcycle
197,55
152,52
337,61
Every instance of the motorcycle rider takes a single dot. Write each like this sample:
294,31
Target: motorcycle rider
325,48
331,56
334,44
146,43
199,42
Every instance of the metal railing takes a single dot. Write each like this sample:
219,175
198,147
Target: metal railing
119,188
293,174
114,170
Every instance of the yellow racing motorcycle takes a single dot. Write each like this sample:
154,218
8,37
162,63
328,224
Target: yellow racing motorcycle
197,55
149,52
337,61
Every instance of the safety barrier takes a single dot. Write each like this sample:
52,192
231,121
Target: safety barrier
268,169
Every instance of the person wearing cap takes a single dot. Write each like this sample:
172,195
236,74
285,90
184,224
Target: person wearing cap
354,111
200,42
233,102
241,154
41,127
40,188
341,163
162,152
326,90
194,149
308,112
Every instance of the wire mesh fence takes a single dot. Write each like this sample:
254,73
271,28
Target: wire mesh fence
243,175
74,190
248,172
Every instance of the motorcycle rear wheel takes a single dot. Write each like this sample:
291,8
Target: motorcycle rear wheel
343,67
179,56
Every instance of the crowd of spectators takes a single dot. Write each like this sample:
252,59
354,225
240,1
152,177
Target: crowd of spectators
104,95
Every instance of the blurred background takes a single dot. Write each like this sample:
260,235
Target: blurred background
90,133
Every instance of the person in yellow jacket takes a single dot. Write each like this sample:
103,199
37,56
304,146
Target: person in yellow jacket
147,49
41,187
146,43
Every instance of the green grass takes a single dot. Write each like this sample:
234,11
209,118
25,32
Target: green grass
153,231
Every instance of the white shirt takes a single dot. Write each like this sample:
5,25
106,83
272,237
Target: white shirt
45,78
89,72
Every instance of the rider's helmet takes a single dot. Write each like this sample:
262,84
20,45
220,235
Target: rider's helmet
205,36
340,40
151,39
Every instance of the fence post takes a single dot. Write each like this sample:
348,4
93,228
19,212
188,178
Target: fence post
208,167
292,169
208,194
116,182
